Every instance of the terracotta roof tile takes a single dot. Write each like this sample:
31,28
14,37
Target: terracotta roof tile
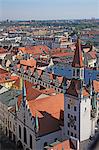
85,92
6,79
35,50
96,86
48,91
48,116
65,145
74,88
31,93
29,62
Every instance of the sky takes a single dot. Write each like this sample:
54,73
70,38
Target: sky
48,9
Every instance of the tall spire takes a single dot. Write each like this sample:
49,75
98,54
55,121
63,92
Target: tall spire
23,93
36,123
78,60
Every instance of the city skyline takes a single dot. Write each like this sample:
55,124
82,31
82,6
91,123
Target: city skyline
48,10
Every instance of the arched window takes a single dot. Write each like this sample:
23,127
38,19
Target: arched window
19,131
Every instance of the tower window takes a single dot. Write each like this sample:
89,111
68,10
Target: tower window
78,72
68,106
75,118
75,108
68,124
74,127
68,115
68,132
71,133
75,135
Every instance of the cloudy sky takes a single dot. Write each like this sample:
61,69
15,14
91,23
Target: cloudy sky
48,9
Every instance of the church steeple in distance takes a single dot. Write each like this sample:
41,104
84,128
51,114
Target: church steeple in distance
23,93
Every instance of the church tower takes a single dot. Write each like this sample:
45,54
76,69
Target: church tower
77,103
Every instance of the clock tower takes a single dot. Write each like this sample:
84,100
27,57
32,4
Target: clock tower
77,103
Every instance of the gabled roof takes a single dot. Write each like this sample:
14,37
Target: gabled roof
35,50
91,55
75,88
78,59
7,78
31,93
48,111
2,71
29,62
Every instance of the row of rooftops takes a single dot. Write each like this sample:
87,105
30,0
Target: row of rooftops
40,102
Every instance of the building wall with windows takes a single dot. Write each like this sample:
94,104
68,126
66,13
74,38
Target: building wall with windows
26,128
48,139
71,116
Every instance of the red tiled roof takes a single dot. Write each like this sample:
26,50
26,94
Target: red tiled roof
65,145
78,60
29,62
48,116
17,82
96,86
2,71
65,54
31,93
2,50
35,50
92,54
85,92
75,88
48,91
5,79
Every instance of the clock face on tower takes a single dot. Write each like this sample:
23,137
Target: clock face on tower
71,102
